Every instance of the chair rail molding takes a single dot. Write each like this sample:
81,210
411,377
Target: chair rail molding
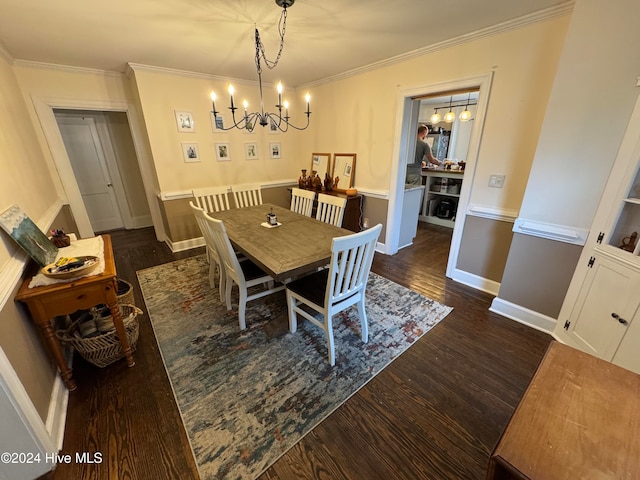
492,213
550,231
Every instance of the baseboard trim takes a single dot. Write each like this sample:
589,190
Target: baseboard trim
185,244
475,281
57,414
523,315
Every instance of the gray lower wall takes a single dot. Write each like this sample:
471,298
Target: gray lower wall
484,247
538,273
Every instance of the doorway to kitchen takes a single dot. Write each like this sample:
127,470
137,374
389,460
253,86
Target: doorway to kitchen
409,113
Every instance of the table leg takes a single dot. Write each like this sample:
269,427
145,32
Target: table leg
112,302
56,350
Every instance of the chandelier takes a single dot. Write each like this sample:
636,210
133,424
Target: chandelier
276,121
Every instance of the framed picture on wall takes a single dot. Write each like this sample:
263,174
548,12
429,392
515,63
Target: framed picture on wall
251,151
274,150
217,123
223,154
28,236
185,121
190,152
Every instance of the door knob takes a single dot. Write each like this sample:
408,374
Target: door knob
619,318
109,185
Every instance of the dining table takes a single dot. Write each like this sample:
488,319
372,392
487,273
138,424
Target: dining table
296,246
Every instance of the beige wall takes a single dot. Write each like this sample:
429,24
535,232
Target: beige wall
25,181
538,273
485,247
358,113
161,94
577,148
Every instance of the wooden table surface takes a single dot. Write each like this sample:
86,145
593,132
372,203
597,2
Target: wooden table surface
579,419
298,246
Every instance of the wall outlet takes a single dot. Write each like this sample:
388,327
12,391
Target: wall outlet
496,181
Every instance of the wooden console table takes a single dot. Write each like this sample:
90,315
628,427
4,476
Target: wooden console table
578,419
49,301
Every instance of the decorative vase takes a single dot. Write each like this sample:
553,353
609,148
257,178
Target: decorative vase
302,181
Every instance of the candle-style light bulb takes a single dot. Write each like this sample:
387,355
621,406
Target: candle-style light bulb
213,100
245,104
286,109
279,93
231,90
307,97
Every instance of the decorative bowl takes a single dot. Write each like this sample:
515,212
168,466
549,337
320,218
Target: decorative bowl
78,267
351,192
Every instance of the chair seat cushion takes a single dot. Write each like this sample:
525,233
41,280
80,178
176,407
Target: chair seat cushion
312,287
251,270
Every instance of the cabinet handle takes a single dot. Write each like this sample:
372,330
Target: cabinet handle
619,318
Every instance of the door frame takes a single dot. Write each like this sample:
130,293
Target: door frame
405,137
66,184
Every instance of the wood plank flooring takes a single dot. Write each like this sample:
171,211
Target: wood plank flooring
435,413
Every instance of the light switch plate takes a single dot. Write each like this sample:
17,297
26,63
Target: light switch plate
496,181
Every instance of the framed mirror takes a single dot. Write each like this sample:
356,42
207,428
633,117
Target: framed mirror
344,168
321,163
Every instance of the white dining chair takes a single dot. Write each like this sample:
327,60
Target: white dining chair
330,209
212,253
247,195
336,288
302,201
245,274
211,199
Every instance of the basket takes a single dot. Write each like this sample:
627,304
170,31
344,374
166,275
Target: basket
104,349
125,293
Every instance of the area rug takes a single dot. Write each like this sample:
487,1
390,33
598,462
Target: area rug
246,397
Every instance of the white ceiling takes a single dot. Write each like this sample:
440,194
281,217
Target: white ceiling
323,37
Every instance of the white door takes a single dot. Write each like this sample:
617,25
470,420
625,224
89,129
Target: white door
85,152
607,302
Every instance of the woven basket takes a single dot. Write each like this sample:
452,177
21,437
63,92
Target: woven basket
125,293
103,350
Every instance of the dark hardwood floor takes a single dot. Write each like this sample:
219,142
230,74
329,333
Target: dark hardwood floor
435,413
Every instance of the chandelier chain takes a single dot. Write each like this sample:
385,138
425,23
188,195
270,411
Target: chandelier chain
282,26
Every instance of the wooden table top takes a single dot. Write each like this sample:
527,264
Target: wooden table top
298,246
579,419
109,272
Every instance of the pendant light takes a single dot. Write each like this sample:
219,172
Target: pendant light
436,117
465,115
450,116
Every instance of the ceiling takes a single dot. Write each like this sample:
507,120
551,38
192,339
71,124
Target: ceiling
323,37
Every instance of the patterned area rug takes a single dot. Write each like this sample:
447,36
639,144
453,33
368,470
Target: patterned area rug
246,397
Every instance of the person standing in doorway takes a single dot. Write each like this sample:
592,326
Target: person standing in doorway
423,155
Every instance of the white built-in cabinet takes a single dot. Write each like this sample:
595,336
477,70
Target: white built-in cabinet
601,312
440,185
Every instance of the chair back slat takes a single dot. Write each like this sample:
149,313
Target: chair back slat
247,195
302,201
330,209
351,258
212,199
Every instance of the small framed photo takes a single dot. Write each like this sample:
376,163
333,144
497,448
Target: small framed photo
250,127
251,151
273,127
185,122
274,150
190,152
223,154
217,123
347,170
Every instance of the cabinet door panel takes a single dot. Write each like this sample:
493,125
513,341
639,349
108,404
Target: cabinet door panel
628,354
609,288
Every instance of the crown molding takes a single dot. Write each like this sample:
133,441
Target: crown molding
66,68
540,16
135,67
4,53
